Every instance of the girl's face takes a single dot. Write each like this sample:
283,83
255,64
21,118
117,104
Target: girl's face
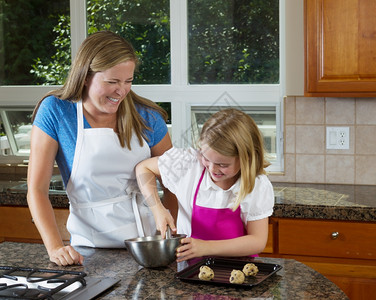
223,170
106,90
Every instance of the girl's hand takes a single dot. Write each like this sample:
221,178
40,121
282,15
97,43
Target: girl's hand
163,218
191,248
66,255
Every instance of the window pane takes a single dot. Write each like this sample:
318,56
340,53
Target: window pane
167,107
4,144
265,118
146,24
15,131
233,41
36,41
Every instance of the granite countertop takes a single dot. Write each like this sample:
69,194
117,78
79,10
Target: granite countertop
294,281
325,201
309,201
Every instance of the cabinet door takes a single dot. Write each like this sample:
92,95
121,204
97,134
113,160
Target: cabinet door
17,224
269,248
340,48
327,238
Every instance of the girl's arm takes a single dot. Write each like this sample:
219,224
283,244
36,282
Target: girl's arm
169,199
43,150
252,243
146,172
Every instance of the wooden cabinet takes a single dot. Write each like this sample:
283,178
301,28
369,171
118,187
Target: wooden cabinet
269,248
16,224
339,239
340,43
344,252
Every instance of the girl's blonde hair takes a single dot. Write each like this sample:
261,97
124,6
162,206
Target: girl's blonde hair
98,52
232,132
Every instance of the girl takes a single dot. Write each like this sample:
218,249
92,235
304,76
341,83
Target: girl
224,195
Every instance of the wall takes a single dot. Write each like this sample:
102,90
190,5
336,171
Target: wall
306,157
294,47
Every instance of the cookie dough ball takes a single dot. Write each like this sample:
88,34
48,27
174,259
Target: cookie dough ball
237,277
206,273
250,270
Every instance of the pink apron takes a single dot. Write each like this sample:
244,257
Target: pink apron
215,224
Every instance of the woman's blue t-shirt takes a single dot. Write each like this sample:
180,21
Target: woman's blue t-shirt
58,118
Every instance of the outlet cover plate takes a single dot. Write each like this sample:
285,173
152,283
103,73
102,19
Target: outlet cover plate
338,138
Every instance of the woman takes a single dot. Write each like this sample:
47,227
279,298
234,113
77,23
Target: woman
97,129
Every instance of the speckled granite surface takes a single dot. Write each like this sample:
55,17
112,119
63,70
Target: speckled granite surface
316,201
325,201
294,281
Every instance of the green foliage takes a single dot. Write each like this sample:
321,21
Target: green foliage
55,69
25,28
146,24
233,41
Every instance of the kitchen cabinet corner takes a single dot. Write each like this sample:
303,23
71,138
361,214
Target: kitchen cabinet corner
339,46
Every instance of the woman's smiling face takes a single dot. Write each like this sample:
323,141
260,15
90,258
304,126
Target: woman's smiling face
223,170
105,90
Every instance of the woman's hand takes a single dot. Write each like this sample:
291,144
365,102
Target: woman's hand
66,255
191,248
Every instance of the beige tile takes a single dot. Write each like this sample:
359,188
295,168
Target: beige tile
310,139
340,169
310,110
364,174
288,174
365,140
366,111
340,111
289,110
310,168
289,139
352,142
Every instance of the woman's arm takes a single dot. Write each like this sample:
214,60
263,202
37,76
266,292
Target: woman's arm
252,243
43,151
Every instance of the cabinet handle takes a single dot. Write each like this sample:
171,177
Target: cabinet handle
334,235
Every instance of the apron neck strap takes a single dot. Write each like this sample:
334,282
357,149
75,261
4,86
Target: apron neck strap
198,186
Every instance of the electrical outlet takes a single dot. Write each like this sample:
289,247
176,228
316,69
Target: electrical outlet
338,138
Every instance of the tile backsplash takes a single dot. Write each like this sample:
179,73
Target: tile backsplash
306,159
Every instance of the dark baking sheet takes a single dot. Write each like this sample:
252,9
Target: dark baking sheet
222,269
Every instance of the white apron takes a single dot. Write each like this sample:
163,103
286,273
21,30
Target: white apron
106,206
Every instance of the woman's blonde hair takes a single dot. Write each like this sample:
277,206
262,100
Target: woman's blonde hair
232,132
98,52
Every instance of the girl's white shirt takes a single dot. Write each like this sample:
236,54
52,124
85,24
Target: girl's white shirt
180,172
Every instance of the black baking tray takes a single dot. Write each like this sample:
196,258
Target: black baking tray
222,269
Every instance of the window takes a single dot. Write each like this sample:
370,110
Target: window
30,31
264,116
197,56
233,42
15,131
146,24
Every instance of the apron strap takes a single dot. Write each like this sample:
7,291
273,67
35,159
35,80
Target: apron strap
79,141
137,216
198,187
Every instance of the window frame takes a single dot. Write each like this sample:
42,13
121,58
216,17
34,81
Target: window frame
179,92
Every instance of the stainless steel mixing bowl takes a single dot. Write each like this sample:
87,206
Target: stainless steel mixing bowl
154,251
